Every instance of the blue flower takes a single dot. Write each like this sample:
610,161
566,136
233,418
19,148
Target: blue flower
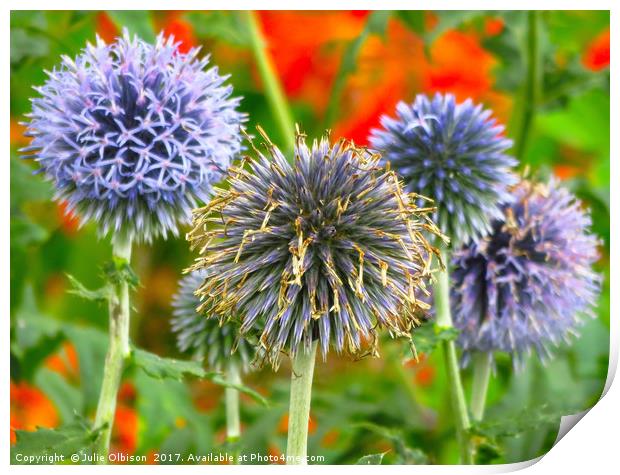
326,249
528,285
133,134
454,154
204,335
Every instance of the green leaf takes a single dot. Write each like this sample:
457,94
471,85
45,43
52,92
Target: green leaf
523,421
414,19
583,124
166,368
487,451
99,295
26,189
165,406
227,26
450,19
25,232
405,455
34,337
119,270
66,397
137,22
25,45
25,186
91,346
572,30
64,441
428,336
218,378
372,459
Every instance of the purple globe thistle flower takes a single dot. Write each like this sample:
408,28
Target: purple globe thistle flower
453,153
326,249
133,134
215,341
528,284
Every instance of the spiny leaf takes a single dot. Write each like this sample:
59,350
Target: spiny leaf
371,459
64,441
428,336
98,295
524,421
169,368
162,368
118,271
404,454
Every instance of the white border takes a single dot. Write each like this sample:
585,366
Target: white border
590,447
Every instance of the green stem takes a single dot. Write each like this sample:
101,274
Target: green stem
273,88
118,352
457,395
531,88
233,420
482,370
299,409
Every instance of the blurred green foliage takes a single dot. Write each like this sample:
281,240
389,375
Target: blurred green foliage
378,409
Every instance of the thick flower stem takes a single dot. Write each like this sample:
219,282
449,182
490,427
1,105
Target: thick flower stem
271,83
118,352
530,91
233,421
299,409
457,395
482,370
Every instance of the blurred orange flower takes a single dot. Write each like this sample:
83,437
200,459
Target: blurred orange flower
596,56
396,68
566,172
126,422
69,223
424,371
159,286
275,452
493,26
105,27
30,408
17,133
425,376
125,432
330,438
172,24
65,362
307,48
389,69
283,424
206,395
460,65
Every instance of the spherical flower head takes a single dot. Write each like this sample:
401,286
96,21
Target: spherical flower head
528,284
133,134
326,249
204,335
453,153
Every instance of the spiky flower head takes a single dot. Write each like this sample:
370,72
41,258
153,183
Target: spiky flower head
133,134
453,153
211,339
328,248
528,284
